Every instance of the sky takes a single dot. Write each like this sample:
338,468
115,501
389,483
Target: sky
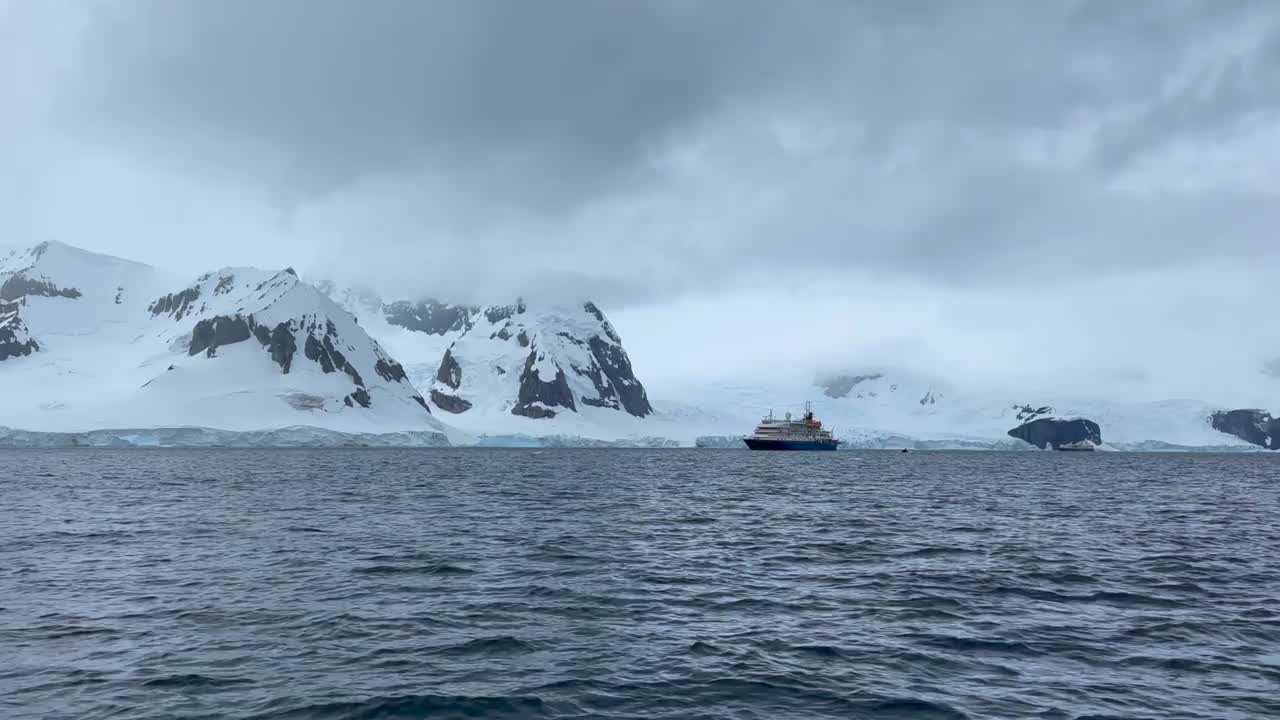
1070,191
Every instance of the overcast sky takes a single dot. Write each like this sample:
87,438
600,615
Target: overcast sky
969,187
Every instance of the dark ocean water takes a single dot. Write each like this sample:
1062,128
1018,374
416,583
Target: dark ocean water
638,584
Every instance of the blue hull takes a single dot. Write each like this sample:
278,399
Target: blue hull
790,444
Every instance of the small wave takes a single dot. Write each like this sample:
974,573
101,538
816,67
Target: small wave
929,552
704,649
489,646
304,529
915,709
193,681
822,651
439,707
695,520
969,644
431,569
1063,578
55,632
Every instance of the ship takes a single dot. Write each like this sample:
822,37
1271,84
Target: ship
787,434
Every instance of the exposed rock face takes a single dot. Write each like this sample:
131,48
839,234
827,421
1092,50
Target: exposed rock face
448,381
390,370
330,358
1058,432
429,316
282,346
20,285
841,385
1257,427
211,333
537,396
15,341
622,379
178,304
449,403
449,373
1027,413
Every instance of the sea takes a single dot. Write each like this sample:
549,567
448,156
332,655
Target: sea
488,583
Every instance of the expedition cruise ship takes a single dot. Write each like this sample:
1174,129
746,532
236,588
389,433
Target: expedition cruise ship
787,434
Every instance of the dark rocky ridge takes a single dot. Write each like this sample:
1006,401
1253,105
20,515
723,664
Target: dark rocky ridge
449,372
20,285
429,316
449,403
282,346
175,304
1057,432
329,357
533,389
211,333
1256,427
11,328
616,365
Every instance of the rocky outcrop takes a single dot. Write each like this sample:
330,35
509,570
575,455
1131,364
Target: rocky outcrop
1059,433
537,397
176,305
429,316
449,403
390,370
281,344
360,397
449,372
15,341
211,333
1027,413
331,359
1256,427
623,385
20,285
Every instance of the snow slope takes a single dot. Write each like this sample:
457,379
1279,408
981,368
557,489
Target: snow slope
123,345
899,409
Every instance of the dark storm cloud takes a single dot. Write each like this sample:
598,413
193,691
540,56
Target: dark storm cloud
642,148
566,96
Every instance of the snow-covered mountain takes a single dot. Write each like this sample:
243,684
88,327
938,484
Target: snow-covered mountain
108,343
101,350
521,369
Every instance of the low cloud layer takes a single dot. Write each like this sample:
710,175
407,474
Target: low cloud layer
664,154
